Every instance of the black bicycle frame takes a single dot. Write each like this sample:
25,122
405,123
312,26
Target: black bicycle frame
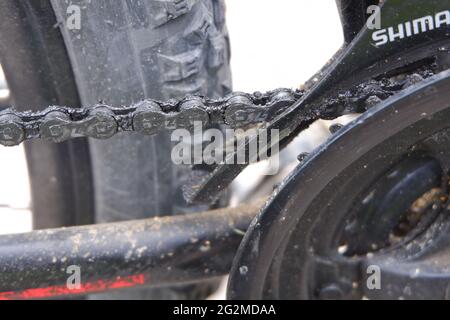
151,252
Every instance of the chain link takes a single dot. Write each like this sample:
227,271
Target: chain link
238,110
57,124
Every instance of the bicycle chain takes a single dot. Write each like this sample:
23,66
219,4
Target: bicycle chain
238,110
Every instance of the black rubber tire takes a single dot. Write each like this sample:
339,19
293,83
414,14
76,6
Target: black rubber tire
129,50
123,52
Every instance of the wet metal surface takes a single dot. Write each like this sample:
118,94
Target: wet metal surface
153,252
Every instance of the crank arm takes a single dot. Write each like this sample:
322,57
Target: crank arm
364,58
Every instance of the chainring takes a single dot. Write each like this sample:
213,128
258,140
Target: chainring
296,248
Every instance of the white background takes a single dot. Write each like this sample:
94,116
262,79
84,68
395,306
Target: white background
280,43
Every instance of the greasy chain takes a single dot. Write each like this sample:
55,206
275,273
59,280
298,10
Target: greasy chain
238,110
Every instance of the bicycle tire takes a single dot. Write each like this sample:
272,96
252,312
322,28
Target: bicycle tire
173,53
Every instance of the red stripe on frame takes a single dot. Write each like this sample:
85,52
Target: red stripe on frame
88,287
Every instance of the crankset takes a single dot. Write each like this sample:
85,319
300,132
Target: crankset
365,216
372,201
354,80
374,197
